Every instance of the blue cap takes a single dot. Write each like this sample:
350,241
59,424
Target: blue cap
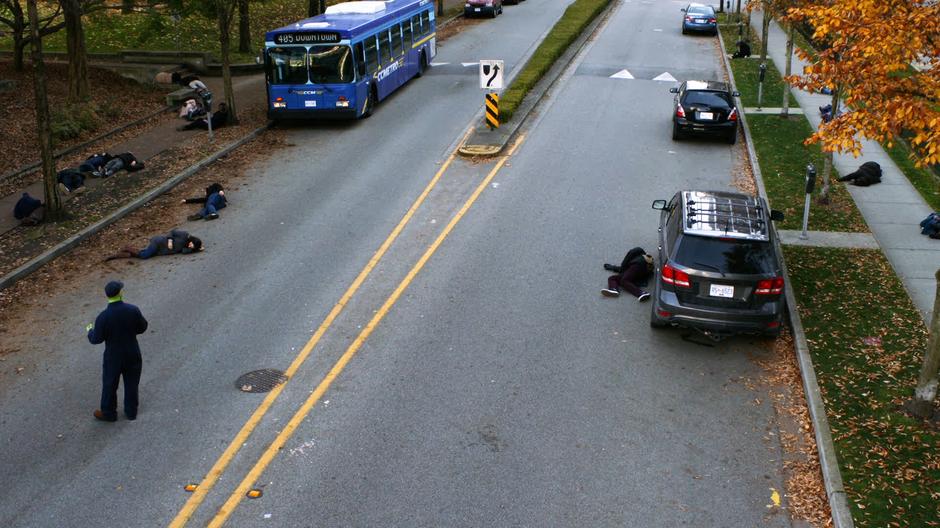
113,288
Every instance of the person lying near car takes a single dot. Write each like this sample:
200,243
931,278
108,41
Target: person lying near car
213,200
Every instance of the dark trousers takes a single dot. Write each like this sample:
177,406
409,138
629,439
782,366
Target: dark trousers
213,203
112,372
628,278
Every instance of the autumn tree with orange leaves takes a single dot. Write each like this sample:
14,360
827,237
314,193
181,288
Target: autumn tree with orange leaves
883,59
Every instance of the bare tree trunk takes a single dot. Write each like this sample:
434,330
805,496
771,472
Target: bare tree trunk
926,391
244,27
323,6
127,6
226,10
43,126
764,30
313,8
75,45
19,49
827,164
785,107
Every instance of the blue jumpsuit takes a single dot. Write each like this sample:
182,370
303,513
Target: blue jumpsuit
118,327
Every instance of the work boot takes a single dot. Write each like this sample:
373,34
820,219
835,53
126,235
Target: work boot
100,415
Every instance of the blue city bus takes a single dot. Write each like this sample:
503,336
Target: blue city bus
341,63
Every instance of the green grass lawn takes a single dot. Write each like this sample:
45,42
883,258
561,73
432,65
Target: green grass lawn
867,342
783,158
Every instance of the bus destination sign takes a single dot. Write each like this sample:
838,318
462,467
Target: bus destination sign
307,38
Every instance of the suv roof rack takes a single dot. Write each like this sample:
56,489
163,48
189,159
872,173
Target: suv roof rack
724,214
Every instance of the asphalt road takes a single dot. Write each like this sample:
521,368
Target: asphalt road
474,376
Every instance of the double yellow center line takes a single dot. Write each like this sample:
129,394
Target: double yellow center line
212,477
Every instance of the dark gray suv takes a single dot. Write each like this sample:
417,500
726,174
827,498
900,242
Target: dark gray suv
719,271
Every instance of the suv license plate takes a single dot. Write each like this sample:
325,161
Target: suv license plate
706,115
721,290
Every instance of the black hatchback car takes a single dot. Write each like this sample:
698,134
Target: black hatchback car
719,270
704,107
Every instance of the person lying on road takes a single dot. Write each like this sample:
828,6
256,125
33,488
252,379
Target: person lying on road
178,241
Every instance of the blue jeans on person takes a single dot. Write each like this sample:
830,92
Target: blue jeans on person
214,202
112,166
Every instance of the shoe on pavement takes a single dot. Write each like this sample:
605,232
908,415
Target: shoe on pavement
212,216
609,267
130,417
607,292
193,217
99,415
643,296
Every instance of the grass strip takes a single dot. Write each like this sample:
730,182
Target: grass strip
867,342
578,15
783,157
747,71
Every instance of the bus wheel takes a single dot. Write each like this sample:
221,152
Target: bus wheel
422,64
370,104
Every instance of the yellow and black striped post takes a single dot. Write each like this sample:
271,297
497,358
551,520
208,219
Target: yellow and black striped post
492,110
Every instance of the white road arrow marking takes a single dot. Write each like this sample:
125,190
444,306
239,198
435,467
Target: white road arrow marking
439,63
665,77
622,74
468,64
658,30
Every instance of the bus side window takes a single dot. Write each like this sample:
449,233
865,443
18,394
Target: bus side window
372,54
396,40
426,22
406,34
416,24
359,53
383,47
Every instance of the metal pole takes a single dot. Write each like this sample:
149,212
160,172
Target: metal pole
760,84
209,122
809,185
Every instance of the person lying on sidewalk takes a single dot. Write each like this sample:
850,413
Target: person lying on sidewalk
188,80
70,181
125,161
219,120
177,242
94,164
214,200
29,211
636,268
867,174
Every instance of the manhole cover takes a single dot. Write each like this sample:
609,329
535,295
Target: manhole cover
260,380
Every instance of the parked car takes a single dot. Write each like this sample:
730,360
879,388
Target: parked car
479,7
704,107
700,18
719,272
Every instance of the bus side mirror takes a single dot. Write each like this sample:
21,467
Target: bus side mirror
659,204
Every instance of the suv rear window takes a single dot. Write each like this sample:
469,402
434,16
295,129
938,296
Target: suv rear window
733,256
704,97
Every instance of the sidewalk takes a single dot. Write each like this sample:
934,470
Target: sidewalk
151,142
893,209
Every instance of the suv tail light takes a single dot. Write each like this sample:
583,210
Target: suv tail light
675,277
769,286
733,116
680,112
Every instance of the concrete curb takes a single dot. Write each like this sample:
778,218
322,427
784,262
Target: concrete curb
64,246
484,142
828,461
57,155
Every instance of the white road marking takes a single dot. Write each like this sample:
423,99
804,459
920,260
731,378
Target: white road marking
468,64
622,74
439,63
665,77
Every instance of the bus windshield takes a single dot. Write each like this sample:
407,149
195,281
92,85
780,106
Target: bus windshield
287,65
331,64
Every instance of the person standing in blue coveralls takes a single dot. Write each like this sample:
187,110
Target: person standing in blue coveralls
118,327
